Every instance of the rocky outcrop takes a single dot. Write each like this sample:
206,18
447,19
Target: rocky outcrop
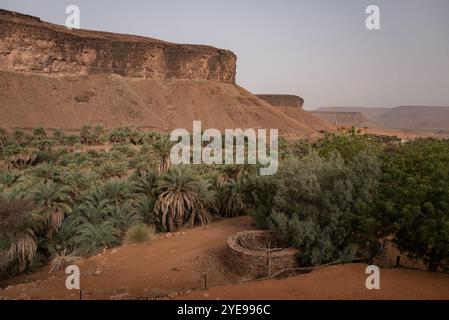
286,100
31,45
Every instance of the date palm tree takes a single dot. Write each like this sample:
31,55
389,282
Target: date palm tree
10,178
228,173
15,222
23,247
53,201
146,183
231,203
3,140
162,147
178,199
92,237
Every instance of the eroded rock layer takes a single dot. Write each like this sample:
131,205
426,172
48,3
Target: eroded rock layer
29,44
286,100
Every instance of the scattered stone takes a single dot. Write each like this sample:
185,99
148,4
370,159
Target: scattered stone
98,271
206,294
169,235
175,269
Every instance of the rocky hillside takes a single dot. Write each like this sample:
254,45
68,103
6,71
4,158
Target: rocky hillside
54,77
29,44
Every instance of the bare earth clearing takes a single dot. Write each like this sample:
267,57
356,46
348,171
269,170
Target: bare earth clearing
171,265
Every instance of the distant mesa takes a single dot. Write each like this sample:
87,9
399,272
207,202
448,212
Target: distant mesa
434,119
285,100
356,119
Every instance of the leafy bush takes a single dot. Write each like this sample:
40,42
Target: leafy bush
414,200
324,207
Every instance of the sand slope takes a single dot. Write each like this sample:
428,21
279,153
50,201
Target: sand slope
31,100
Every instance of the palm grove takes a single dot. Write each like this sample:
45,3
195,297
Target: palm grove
336,198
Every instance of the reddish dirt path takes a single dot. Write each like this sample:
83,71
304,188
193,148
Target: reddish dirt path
337,282
171,266
158,268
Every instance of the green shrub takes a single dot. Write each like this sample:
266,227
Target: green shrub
139,233
414,200
324,207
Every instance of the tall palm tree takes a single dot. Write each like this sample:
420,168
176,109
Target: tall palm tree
118,190
146,183
23,247
15,221
208,204
231,203
178,198
228,173
53,201
162,147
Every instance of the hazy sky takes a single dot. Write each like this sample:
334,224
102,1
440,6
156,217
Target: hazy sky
318,49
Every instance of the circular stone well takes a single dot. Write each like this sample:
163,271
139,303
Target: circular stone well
259,253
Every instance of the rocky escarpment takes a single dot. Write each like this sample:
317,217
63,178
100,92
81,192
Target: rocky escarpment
53,77
31,45
285,100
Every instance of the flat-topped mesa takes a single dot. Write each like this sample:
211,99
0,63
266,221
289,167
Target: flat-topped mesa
342,118
28,44
284,100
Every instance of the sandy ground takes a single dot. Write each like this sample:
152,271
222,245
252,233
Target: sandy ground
165,265
173,266
337,282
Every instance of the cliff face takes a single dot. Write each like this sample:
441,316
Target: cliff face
54,77
31,45
285,100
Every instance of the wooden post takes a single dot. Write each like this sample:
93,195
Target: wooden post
205,281
269,259
398,261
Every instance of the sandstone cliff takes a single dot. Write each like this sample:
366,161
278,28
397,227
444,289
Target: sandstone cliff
58,78
291,106
286,100
29,44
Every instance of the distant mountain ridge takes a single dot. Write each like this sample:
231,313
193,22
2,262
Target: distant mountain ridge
413,118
